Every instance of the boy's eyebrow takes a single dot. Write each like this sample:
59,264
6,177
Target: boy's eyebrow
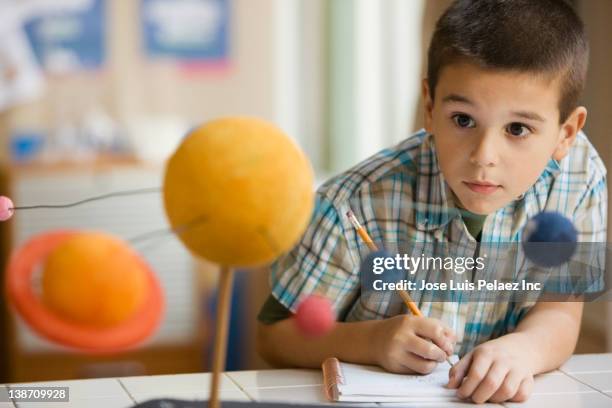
528,115
457,98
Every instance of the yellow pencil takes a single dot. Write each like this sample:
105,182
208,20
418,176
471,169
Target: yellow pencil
363,234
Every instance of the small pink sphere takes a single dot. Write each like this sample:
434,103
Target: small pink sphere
6,208
314,316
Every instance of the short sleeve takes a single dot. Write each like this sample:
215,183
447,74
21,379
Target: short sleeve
321,263
590,219
584,273
590,216
272,311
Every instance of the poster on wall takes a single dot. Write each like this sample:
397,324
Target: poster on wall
68,39
193,33
20,77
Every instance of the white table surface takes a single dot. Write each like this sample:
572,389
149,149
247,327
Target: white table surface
584,381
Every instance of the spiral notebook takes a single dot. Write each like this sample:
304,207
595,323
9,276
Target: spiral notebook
361,383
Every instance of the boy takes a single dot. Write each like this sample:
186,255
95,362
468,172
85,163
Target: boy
502,142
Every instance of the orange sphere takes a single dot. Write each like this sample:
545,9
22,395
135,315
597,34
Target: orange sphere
238,191
94,279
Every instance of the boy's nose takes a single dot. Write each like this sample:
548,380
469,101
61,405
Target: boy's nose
484,153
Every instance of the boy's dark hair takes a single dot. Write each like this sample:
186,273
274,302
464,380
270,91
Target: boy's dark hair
539,36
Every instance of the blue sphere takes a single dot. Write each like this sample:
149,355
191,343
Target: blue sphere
549,239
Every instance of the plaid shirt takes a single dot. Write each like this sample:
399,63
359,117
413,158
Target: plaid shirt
399,195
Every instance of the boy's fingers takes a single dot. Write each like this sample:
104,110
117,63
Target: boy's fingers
419,364
432,329
456,374
524,390
399,363
450,334
492,381
508,389
426,349
478,371
400,366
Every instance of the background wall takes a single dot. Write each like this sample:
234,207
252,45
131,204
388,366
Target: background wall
597,320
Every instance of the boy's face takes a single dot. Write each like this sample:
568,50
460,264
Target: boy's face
495,131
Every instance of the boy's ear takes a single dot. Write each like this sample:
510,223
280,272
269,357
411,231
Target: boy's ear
427,106
569,129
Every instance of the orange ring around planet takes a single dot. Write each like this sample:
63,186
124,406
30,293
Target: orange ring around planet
48,324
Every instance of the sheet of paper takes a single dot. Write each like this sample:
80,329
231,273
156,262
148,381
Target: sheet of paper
369,383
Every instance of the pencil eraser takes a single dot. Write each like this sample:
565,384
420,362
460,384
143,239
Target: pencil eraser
6,208
315,316
549,239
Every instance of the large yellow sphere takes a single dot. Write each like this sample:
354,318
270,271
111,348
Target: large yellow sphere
94,279
238,191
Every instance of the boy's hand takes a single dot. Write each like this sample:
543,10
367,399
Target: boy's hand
409,344
498,370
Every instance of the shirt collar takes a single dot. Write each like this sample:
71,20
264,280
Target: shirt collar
553,167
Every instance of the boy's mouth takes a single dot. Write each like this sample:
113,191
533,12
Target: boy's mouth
482,187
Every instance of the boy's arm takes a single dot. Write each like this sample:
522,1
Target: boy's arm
282,345
401,344
502,369
552,329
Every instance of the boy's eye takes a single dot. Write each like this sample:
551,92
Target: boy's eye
463,120
518,129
